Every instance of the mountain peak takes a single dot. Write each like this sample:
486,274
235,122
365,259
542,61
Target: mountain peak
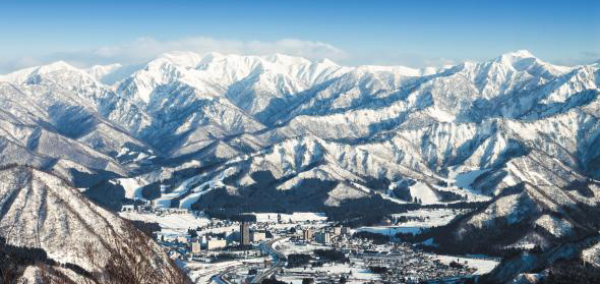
514,56
56,66
519,60
55,69
183,58
523,53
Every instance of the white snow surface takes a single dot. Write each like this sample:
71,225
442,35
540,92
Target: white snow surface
294,217
472,130
71,226
169,223
132,187
482,264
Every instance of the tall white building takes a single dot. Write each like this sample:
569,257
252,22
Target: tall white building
196,247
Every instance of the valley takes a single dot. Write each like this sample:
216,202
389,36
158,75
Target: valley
497,158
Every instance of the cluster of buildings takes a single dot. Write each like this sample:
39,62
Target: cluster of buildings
384,263
143,206
324,235
200,244
405,264
223,240
249,237
205,242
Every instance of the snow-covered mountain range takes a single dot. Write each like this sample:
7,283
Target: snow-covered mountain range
300,119
280,132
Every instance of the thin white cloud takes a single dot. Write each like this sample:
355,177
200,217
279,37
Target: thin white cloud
144,49
585,57
408,59
7,65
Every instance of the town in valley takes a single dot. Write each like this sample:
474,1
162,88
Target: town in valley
305,248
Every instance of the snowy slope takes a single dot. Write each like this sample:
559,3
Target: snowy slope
395,131
41,211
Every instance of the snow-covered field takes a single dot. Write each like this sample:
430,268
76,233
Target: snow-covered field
391,230
429,218
203,272
359,274
132,187
432,217
482,264
290,248
460,182
295,217
174,224
424,193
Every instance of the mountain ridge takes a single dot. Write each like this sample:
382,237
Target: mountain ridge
74,240
514,137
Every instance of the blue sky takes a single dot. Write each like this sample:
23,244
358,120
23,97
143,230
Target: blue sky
412,33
